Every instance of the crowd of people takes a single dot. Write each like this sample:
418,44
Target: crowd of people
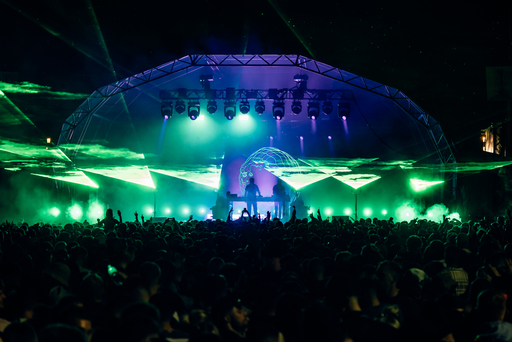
256,279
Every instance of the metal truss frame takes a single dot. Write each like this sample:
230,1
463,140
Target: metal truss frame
438,138
258,94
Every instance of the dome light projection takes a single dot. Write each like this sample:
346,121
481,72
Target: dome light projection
280,164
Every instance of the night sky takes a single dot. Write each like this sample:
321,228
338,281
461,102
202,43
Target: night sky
435,52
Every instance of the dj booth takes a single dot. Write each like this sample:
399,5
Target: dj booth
234,198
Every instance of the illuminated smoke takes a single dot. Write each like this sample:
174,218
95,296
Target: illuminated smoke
409,210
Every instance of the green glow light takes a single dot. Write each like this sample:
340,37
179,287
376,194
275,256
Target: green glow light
357,180
420,185
367,212
96,210
384,212
186,211
133,174
347,211
167,210
54,212
328,211
102,151
148,209
75,212
243,125
208,175
12,169
77,177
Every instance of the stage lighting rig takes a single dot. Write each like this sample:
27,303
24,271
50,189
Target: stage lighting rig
313,110
344,110
296,107
193,110
230,109
205,81
166,109
211,107
180,104
278,110
301,81
245,107
327,107
259,107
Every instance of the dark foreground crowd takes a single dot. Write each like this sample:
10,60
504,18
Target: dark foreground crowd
256,280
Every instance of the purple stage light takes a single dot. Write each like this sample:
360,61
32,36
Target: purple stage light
329,137
344,110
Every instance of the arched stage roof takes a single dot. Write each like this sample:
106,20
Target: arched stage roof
119,130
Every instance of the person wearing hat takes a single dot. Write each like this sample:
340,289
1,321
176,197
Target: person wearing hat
231,318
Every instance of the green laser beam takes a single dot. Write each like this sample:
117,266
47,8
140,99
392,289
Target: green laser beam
290,26
77,177
420,185
11,114
106,64
356,181
33,88
133,174
208,175
32,151
98,151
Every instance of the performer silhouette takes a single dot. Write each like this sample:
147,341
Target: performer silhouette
279,195
251,192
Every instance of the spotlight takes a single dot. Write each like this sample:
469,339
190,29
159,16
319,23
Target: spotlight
259,107
211,107
193,110
278,110
344,110
180,106
230,109
313,110
327,107
166,110
296,107
245,107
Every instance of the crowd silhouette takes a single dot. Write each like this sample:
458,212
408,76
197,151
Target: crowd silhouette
256,279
